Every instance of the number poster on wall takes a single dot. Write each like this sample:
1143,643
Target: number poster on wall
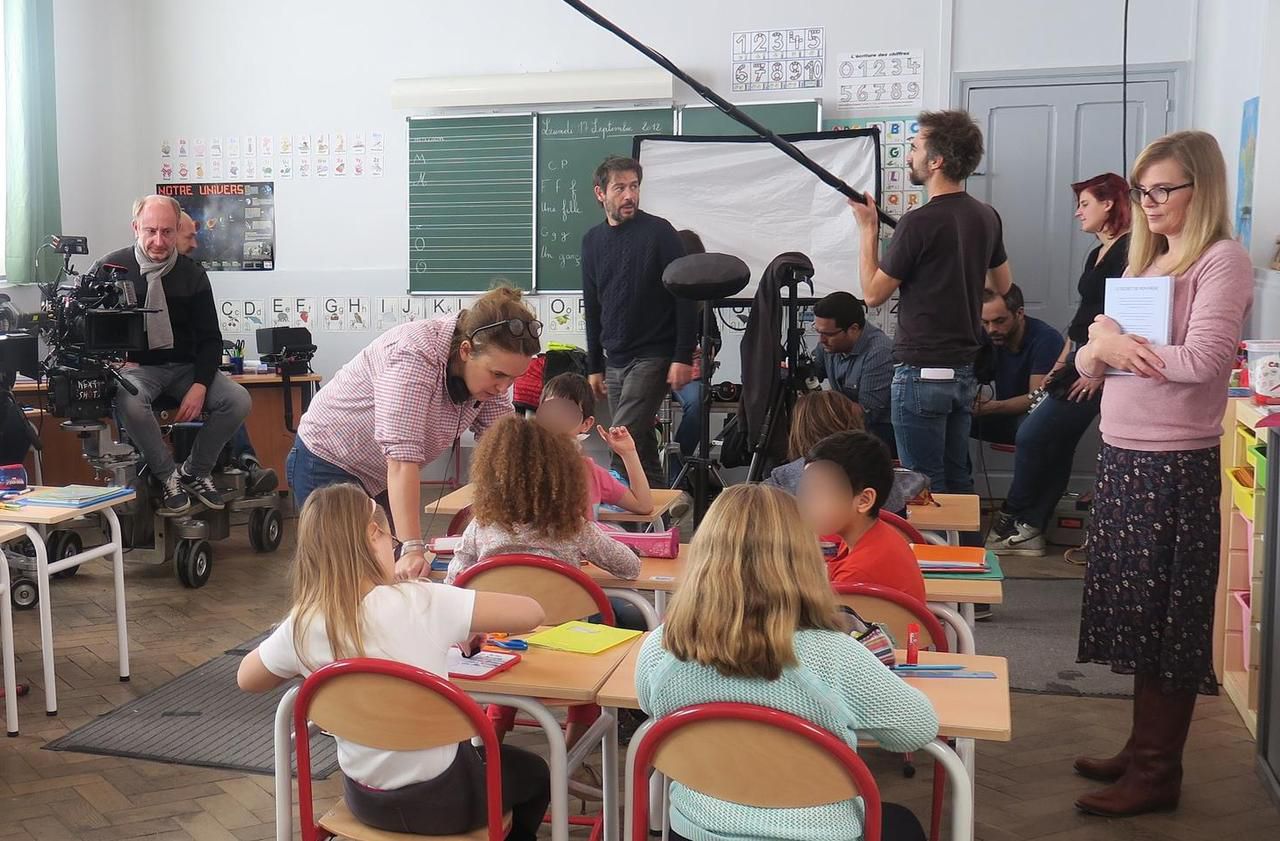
886,79
778,59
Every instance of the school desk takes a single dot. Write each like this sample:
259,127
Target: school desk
952,514
63,460
542,675
967,709
8,532
663,501
31,516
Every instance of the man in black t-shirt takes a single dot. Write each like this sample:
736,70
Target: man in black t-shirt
939,260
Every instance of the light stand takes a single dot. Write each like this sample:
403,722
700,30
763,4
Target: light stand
706,278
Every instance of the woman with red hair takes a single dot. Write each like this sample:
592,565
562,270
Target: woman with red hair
1047,439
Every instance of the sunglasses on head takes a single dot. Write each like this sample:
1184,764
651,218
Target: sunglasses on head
517,327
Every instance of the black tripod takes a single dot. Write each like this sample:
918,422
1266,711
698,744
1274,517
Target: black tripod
782,398
701,465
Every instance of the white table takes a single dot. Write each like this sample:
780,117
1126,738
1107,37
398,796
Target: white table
8,532
31,516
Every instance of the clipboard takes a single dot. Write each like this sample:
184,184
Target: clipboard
483,666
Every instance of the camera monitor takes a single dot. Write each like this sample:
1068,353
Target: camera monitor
112,331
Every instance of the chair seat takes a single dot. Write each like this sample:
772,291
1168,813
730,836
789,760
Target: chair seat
341,822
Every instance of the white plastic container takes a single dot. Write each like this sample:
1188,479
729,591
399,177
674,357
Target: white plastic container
1264,370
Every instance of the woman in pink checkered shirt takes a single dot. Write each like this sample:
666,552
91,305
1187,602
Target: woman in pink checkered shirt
403,402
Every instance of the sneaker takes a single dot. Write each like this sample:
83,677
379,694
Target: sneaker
982,613
1001,527
262,480
1024,540
202,488
175,499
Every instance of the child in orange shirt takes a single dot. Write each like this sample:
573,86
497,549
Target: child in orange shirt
847,476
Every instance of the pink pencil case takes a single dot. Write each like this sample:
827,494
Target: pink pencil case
656,544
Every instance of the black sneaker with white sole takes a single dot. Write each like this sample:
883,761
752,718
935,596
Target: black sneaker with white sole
202,488
174,498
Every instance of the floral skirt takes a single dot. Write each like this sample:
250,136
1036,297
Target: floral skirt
1152,576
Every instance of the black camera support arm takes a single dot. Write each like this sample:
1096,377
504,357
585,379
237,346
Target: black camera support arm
729,109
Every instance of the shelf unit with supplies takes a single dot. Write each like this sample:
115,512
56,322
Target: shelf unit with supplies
1238,629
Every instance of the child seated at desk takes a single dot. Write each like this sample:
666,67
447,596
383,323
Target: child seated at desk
846,476
568,406
755,622
531,496
346,603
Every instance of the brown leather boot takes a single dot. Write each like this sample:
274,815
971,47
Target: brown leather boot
1153,780
1111,768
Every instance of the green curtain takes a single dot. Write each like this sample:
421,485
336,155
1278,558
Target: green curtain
33,209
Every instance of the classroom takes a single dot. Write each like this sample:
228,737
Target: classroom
581,419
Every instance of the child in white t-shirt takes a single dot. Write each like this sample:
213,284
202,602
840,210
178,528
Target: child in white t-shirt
346,604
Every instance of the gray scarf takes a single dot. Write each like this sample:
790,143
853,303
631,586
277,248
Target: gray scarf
159,330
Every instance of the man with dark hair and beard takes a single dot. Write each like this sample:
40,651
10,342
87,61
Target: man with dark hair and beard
939,261
640,337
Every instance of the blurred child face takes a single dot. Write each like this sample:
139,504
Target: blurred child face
383,546
827,502
563,416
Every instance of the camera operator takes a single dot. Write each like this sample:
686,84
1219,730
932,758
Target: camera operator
856,357
184,347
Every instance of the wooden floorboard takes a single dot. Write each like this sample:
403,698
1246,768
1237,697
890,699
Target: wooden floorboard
1025,787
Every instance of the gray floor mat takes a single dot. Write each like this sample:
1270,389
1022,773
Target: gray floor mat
1037,628
249,645
200,718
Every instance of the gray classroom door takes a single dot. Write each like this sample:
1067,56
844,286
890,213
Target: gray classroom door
1041,138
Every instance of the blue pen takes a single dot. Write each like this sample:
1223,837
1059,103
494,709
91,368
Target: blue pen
978,675
509,645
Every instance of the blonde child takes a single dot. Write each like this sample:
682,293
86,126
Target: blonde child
755,622
346,603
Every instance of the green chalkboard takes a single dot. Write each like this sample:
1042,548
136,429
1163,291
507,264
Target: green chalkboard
570,147
471,201
781,117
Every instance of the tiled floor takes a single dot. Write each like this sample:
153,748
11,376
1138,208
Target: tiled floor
1025,787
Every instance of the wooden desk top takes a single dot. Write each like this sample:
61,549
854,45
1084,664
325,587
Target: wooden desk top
967,709
558,675
51,515
11,531
663,500
954,512
248,380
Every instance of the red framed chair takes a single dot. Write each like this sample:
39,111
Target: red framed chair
565,592
389,706
458,524
896,610
752,755
908,531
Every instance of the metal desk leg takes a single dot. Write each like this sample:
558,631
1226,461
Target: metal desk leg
6,652
46,620
609,779
557,757
283,768
660,602
961,789
117,565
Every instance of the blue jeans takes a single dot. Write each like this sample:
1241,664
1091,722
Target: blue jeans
689,431
241,445
307,472
1046,443
931,424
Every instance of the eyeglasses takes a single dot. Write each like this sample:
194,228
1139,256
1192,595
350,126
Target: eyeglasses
396,542
827,334
517,327
1158,195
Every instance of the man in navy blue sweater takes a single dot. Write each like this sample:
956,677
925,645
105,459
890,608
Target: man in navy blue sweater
640,337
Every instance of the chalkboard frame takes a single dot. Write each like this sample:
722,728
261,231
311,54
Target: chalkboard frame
706,107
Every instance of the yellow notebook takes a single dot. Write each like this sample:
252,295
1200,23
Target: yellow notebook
581,637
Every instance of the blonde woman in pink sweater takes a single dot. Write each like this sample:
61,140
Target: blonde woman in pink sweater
1153,544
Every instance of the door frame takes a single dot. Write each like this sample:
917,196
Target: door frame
1175,73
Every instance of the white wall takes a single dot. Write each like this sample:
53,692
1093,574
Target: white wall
1027,34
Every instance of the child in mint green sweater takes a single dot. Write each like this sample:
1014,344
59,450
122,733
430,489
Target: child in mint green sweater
755,567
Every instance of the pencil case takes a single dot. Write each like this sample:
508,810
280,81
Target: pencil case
656,544
13,477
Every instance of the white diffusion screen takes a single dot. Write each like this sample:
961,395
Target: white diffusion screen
748,199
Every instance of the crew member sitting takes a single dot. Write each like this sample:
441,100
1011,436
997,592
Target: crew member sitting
1026,350
184,347
856,358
